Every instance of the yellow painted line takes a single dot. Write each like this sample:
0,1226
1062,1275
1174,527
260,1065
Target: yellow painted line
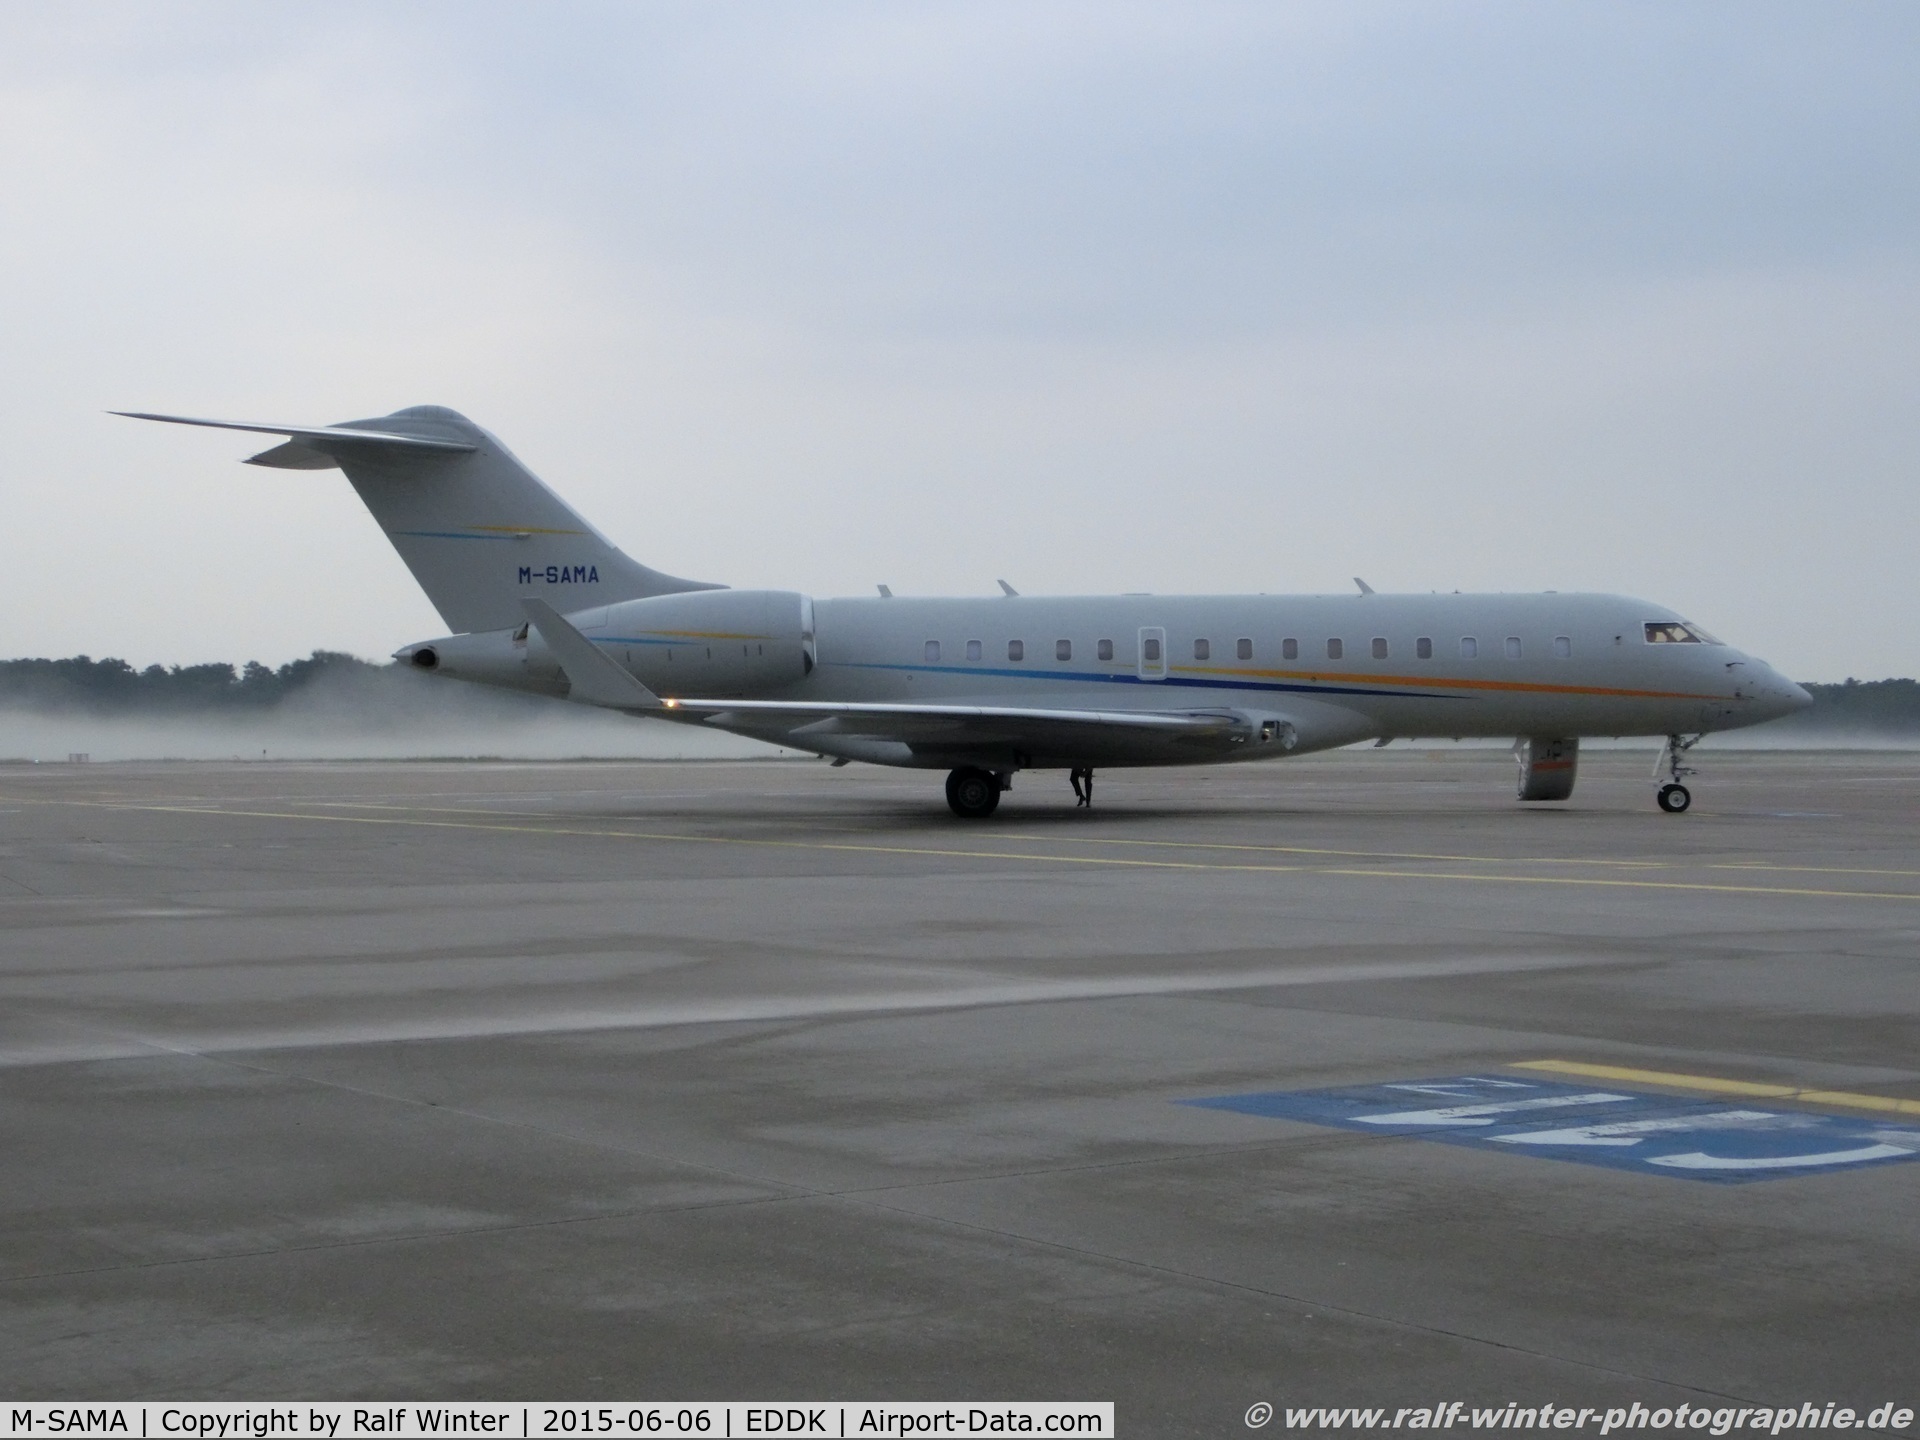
1350,854
1671,862
665,836
949,853
1625,884
1717,1086
1809,869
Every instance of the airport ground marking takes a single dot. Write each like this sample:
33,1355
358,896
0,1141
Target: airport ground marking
1808,869
405,820
671,836
1622,884
1664,863
1670,862
1346,854
1717,1086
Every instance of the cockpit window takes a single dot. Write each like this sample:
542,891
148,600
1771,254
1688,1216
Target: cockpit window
1677,632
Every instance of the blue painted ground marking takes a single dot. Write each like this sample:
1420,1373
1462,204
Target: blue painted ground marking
1595,1125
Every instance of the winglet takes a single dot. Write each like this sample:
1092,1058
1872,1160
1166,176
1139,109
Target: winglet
595,679
1365,589
1008,588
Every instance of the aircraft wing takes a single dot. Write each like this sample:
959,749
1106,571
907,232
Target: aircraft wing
313,447
990,735
917,722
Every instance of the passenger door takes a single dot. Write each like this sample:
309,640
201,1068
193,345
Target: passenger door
1153,653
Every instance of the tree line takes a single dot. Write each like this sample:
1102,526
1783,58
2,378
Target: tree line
82,682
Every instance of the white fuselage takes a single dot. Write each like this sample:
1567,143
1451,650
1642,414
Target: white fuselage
1336,669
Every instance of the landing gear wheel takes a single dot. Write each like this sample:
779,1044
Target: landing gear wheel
1674,798
973,794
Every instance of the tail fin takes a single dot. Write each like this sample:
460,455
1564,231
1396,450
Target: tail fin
477,529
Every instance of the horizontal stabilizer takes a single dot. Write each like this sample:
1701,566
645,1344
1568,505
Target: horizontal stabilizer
317,447
293,456
593,677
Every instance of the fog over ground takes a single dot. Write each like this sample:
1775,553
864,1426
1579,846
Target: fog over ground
1096,297
387,715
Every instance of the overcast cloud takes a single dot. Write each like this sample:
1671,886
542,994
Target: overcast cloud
1095,297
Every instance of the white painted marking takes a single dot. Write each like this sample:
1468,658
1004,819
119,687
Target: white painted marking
1484,1114
1467,1085
1698,1160
1631,1132
99,1039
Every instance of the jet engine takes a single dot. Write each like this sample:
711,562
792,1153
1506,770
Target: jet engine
718,643
721,644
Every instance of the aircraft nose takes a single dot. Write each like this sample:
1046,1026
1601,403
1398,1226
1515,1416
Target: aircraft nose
1796,696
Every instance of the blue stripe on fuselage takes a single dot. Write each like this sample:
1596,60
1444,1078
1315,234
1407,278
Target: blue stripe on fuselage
1129,678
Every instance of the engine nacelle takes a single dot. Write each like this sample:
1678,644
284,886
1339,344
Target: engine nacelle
721,643
724,644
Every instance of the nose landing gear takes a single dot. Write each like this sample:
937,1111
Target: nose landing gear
1673,797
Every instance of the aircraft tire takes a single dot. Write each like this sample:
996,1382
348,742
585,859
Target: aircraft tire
973,794
1674,799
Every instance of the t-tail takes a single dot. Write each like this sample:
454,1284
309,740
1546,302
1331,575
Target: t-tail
479,531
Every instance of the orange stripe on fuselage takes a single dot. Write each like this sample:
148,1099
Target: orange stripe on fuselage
1422,682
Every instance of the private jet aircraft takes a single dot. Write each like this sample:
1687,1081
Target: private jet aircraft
982,688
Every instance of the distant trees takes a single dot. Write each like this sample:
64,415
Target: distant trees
113,685
1886,705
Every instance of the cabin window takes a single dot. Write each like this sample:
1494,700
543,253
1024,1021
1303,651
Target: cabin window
973,649
1243,649
1335,649
933,650
1469,647
1513,647
1563,646
1289,649
1379,647
1016,649
1063,649
1202,650
1677,632
1150,650
1423,647
1104,649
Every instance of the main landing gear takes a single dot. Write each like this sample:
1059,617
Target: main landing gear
972,793
1674,797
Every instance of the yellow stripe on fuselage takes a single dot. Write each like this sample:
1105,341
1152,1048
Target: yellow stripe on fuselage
701,635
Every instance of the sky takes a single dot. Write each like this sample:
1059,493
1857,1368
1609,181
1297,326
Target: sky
1093,297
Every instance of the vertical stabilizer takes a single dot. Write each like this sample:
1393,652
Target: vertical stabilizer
475,526
481,533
